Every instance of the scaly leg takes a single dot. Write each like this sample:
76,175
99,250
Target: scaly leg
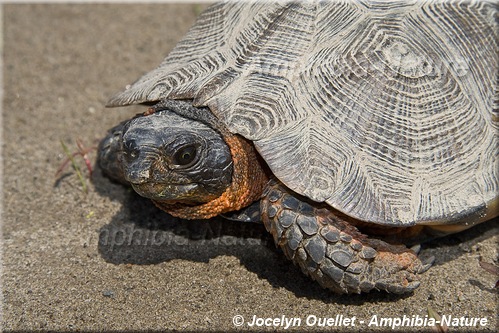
334,252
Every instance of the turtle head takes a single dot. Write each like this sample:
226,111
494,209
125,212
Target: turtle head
182,158
169,158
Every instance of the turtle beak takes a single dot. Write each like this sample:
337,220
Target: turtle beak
167,192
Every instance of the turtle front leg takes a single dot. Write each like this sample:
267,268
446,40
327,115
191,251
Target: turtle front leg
110,153
334,252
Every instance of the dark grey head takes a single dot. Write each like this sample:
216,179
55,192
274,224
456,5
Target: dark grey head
167,157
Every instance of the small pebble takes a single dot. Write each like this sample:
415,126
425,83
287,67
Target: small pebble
108,293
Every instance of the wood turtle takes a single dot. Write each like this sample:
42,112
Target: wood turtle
347,127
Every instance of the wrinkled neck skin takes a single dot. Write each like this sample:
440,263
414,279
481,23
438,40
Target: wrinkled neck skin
188,164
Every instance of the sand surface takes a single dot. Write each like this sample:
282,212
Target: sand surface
108,260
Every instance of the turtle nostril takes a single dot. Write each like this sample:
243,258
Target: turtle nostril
131,155
130,150
135,162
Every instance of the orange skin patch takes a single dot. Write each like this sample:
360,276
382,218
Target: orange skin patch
248,181
397,257
390,256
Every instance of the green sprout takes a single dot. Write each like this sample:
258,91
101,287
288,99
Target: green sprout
70,157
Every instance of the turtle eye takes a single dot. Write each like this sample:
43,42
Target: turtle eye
185,156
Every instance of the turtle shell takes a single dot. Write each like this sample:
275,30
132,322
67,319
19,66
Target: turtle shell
387,111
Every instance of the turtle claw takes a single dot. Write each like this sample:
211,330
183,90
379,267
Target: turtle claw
428,262
416,248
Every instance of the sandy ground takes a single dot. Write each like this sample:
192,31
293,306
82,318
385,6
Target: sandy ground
108,260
